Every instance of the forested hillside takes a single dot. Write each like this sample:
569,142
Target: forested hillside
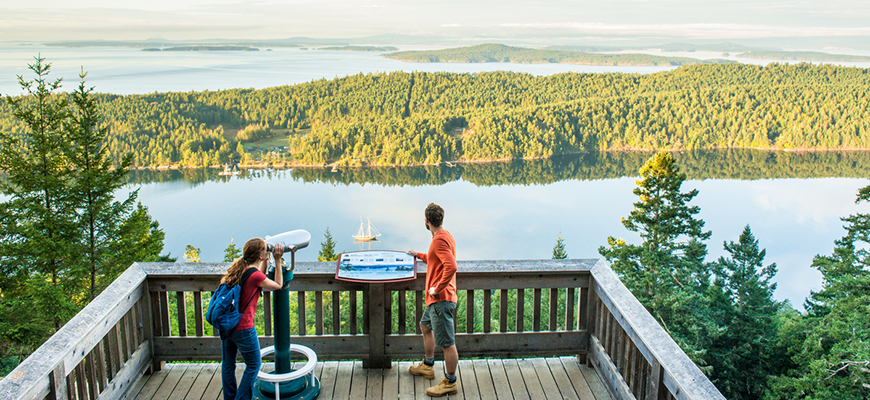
425,118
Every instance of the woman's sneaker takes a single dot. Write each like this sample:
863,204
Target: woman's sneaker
423,370
443,388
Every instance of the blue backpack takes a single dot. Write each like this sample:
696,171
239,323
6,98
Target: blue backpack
223,312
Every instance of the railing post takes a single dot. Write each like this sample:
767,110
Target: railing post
148,329
57,380
655,385
376,317
591,315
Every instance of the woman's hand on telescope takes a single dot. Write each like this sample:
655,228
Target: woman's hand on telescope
278,252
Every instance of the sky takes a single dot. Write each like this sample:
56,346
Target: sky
792,23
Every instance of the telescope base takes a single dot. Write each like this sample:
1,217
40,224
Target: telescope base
297,389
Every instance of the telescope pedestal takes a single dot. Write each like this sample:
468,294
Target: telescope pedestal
285,383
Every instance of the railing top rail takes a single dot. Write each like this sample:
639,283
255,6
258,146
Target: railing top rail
328,267
74,340
690,381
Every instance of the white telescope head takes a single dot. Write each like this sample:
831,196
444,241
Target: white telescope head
292,241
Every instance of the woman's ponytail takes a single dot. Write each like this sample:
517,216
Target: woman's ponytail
250,256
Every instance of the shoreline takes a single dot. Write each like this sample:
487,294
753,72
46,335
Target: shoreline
335,166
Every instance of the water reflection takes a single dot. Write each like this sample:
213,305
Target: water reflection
698,165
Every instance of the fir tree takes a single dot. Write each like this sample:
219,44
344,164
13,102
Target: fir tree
39,224
232,252
327,248
748,352
830,345
559,249
95,180
667,272
63,237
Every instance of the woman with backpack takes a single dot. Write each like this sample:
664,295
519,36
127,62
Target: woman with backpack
244,338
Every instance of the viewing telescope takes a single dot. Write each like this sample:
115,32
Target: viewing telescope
292,240
285,383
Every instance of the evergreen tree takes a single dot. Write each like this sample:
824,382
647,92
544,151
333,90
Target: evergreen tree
140,239
191,254
559,252
327,248
37,254
95,180
232,252
667,272
63,237
748,352
830,345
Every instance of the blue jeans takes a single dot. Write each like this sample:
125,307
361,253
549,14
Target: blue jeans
248,344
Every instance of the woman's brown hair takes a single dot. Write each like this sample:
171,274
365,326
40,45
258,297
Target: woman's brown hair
250,256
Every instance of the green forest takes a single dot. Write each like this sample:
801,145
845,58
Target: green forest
391,119
500,53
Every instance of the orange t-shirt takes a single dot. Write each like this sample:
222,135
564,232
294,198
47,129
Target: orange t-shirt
441,268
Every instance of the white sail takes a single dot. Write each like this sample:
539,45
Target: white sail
365,233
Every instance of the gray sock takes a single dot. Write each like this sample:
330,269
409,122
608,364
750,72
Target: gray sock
450,378
430,361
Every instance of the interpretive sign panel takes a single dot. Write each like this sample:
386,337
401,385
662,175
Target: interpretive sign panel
376,266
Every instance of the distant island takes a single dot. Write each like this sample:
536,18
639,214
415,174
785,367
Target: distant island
219,47
801,56
360,48
501,53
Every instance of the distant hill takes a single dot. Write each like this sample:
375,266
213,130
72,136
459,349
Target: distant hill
501,53
360,48
801,56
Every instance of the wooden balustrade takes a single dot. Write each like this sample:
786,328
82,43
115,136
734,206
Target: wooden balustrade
154,313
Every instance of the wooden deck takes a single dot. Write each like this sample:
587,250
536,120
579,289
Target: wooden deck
533,378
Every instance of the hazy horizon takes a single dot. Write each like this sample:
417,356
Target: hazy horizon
839,25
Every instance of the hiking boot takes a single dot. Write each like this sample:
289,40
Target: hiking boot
443,388
421,369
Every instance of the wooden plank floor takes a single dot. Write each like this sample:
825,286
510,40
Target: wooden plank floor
534,378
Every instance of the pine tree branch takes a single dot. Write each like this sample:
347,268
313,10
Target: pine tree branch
846,364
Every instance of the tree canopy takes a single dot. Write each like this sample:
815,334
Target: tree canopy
398,118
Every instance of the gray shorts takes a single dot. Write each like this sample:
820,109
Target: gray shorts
439,318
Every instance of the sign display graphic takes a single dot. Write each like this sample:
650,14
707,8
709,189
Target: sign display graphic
376,266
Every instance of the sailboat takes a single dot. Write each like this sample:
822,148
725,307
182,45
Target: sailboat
228,172
366,234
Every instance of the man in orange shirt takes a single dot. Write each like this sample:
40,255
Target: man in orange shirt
437,323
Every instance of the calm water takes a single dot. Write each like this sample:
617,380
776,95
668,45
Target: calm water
516,216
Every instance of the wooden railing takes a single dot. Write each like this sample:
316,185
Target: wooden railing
154,312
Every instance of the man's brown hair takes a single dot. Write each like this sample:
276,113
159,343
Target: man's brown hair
434,214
